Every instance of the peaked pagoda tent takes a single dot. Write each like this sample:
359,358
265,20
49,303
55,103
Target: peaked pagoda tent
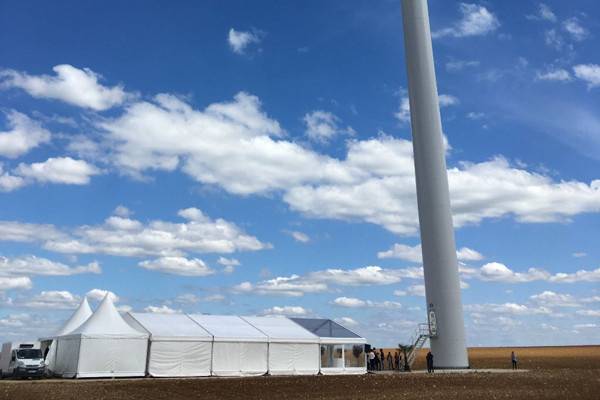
103,346
178,345
239,349
80,315
292,349
342,351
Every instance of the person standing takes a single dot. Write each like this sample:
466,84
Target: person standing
513,359
390,361
396,361
372,359
429,359
382,358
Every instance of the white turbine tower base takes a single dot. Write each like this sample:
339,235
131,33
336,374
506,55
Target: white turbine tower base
442,282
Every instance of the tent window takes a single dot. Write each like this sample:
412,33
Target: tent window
354,355
332,356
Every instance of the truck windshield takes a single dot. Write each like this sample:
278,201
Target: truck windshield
29,354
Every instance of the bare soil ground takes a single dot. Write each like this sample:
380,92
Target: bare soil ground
555,373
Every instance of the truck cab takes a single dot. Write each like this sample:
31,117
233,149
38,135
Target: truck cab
21,360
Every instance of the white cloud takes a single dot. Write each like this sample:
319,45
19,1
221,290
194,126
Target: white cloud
229,264
352,302
293,311
475,115
448,100
574,28
164,309
497,272
544,12
414,253
588,313
15,283
322,126
549,298
369,275
63,170
458,65
346,322
586,326
579,254
476,20
554,39
33,265
99,294
299,236
508,308
416,290
178,266
9,182
559,74
403,252
400,293
592,299
467,254
24,135
293,286
75,86
122,211
240,40
130,238
589,73
53,299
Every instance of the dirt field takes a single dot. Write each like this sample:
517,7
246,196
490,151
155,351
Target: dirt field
555,373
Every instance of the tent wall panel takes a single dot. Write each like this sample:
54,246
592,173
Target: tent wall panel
67,357
179,358
239,359
102,357
293,359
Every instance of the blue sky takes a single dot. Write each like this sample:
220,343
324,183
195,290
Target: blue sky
237,158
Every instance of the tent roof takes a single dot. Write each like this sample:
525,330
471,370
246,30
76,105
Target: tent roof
226,328
326,328
107,322
80,315
171,327
282,329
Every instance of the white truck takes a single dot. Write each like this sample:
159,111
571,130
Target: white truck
22,360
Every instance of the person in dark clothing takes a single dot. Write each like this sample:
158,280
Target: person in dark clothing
396,361
390,361
429,358
513,358
377,362
382,359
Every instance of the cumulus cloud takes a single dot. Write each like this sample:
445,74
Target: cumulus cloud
549,298
99,294
240,40
229,264
574,28
79,87
292,311
121,236
589,73
559,74
459,65
346,322
323,126
53,299
414,253
544,13
63,170
10,182
33,265
352,302
293,286
416,290
164,309
507,308
15,283
476,21
497,272
178,266
299,236
23,135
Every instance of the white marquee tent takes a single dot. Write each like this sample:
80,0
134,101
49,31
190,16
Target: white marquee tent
80,315
292,349
342,351
178,345
239,349
103,346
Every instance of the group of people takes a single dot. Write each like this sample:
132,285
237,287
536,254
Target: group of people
378,361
